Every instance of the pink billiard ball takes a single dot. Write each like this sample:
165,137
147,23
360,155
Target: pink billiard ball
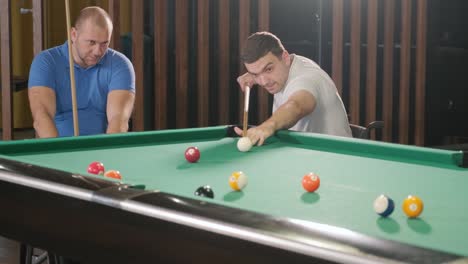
192,154
96,167
311,182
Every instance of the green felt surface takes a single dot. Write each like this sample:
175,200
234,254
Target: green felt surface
352,172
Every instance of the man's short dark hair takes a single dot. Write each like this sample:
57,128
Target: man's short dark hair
259,44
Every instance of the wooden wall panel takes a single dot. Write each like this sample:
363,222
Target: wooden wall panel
224,77
226,81
355,62
38,39
420,94
203,64
407,118
371,64
337,45
387,83
114,13
181,62
263,25
244,32
138,64
160,64
405,68
6,62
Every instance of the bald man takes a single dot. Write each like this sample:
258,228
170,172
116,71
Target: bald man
105,82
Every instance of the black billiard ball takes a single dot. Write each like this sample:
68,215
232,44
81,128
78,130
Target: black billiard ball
204,191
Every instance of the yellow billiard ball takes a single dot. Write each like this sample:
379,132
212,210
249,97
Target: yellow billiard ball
413,206
238,180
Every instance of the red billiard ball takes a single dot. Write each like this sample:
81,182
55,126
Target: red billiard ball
311,182
114,174
192,154
96,167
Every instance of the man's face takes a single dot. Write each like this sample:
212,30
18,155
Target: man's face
270,72
90,43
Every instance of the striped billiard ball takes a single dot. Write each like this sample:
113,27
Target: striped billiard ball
384,205
238,180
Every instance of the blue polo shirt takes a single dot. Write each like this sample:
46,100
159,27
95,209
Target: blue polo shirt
114,71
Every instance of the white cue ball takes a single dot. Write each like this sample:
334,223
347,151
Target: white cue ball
244,144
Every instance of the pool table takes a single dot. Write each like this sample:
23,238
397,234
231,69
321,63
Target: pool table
48,199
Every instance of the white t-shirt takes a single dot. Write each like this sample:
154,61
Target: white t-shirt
329,115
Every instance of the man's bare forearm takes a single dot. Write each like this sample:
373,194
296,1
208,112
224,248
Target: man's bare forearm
117,125
45,128
285,117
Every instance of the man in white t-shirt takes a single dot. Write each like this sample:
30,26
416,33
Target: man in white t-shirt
305,97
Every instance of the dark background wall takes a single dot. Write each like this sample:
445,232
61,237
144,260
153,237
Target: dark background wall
447,73
305,27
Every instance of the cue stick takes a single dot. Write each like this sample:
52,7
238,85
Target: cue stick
76,128
246,110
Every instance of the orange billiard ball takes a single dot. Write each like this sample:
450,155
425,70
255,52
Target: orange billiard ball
311,182
114,174
413,206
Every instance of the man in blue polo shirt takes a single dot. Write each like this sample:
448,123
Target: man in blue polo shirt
105,82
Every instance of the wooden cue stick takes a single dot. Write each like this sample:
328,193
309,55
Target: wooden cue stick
246,110
76,128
